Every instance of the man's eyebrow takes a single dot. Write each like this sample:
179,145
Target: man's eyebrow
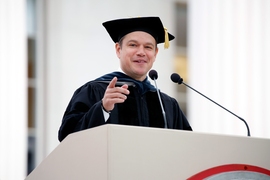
147,43
132,40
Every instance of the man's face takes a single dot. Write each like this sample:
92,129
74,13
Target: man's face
137,54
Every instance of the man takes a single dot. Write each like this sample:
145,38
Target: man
126,97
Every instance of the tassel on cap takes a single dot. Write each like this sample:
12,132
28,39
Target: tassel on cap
166,42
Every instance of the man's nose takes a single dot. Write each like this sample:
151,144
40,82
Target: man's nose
141,51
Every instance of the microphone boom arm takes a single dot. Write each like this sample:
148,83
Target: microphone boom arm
162,109
248,131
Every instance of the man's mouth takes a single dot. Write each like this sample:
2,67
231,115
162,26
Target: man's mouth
140,61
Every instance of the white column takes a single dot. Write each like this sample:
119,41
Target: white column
13,90
229,45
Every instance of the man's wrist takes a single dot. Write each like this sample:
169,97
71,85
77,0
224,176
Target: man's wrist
105,109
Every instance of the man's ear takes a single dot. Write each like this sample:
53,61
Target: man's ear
117,49
156,52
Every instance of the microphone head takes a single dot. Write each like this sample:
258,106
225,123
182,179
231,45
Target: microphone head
176,78
153,74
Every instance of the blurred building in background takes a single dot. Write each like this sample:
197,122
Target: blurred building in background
48,48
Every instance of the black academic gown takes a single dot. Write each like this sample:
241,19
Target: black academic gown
141,108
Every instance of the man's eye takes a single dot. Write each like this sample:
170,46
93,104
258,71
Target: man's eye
132,45
149,47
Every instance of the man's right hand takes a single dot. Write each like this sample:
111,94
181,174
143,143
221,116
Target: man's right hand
114,95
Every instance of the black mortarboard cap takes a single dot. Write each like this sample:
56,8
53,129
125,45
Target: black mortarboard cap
152,25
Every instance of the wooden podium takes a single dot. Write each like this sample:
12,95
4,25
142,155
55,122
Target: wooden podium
117,152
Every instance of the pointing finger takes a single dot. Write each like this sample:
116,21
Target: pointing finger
112,83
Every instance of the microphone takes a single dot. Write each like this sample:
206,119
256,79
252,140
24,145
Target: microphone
153,75
177,79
